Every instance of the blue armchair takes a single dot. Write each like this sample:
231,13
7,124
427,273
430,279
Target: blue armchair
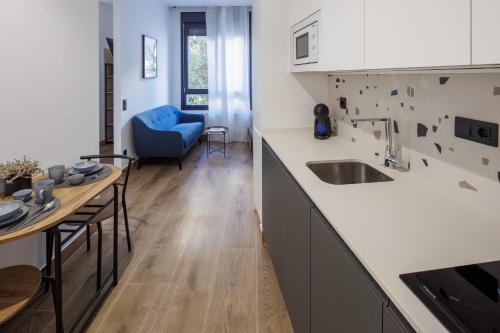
166,132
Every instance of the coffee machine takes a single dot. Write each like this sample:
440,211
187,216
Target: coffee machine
322,123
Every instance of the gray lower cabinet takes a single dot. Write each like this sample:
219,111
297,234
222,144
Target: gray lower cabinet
325,287
342,300
286,216
271,226
394,323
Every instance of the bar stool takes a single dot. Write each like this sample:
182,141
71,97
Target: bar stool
101,209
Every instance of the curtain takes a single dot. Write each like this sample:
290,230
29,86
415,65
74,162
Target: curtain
228,70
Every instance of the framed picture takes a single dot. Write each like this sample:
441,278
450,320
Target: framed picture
149,57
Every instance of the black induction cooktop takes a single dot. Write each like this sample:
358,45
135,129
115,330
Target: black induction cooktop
464,298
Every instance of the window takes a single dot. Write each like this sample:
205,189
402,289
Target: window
194,62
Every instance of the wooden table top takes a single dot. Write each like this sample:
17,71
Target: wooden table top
72,199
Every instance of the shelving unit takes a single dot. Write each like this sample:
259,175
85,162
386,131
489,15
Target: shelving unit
108,101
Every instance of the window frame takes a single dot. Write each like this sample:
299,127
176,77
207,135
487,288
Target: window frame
188,20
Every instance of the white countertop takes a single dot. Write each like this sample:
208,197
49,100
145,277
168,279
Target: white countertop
403,226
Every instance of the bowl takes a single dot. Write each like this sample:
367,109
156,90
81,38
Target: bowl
10,208
76,179
85,166
23,195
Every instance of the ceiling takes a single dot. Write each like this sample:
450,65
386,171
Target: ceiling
208,2
200,3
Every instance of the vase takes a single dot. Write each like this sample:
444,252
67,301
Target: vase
18,184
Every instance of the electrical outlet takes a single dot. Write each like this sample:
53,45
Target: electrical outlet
477,131
343,103
124,106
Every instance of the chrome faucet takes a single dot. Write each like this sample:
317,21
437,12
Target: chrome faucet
391,157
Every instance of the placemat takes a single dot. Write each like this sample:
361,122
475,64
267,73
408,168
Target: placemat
18,225
103,173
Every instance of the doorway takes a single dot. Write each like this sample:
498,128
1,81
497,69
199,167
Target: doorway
106,78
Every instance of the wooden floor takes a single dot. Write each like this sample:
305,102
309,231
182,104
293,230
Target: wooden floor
106,149
198,263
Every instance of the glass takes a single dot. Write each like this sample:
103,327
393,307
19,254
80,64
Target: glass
302,46
200,99
197,63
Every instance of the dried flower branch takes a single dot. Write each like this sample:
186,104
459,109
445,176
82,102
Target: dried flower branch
13,170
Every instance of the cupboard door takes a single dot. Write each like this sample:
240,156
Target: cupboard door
342,35
485,28
301,9
342,300
286,212
270,207
417,33
394,323
295,254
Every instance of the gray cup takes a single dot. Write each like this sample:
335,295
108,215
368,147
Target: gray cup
56,173
43,191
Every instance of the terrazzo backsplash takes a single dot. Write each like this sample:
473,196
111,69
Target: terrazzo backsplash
423,108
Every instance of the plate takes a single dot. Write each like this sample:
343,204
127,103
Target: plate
97,168
16,217
85,166
9,208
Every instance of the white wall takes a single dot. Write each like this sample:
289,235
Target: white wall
281,99
49,98
132,19
105,31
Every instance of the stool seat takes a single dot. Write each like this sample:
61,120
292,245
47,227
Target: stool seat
18,285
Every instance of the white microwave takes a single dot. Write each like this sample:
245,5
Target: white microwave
305,42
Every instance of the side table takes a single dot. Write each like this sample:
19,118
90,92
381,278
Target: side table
216,131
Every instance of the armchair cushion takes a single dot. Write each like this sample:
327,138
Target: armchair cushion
189,131
185,117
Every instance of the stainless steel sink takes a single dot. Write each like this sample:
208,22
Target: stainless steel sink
347,172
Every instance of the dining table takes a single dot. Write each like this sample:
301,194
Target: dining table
71,200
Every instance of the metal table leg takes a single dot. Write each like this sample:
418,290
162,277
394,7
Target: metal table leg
115,234
88,238
99,256
57,282
49,244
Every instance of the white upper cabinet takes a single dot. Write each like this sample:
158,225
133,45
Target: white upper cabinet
398,34
485,32
300,9
417,33
342,35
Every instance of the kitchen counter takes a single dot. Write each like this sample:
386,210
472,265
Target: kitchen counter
403,226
